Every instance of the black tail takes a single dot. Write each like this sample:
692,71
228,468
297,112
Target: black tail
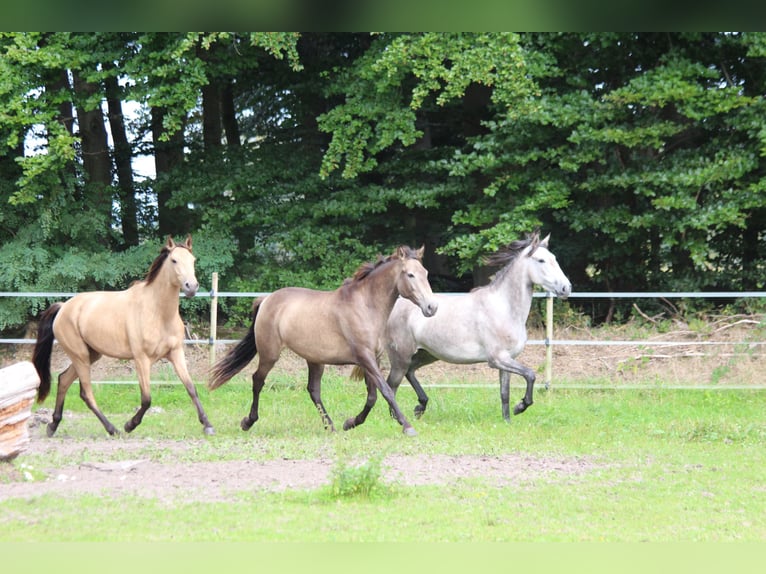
41,356
236,359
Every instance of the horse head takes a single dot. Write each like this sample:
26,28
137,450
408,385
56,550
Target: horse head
412,282
181,260
544,270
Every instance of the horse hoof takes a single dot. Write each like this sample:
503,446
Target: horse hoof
520,408
209,431
410,431
349,424
129,427
50,430
419,410
246,424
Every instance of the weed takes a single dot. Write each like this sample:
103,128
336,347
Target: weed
357,481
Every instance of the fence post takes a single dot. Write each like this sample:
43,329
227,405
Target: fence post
213,316
548,339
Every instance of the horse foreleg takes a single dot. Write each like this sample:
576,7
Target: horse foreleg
395,376
505,394
375,381
509,365
178,360
143,369
315,392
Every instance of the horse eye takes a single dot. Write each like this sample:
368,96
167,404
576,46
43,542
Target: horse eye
541,261
411,275
174,260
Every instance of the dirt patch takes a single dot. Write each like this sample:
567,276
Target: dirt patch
224,480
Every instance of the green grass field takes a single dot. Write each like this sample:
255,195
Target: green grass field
662,465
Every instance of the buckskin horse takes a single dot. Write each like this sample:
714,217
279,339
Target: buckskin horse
337,327
140,323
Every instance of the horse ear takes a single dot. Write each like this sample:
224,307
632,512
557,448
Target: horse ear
419,253
534,243
170,244
544,242
188,242
401,253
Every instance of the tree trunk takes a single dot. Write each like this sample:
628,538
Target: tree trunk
95,154
229,116
122,158
168,155
212,131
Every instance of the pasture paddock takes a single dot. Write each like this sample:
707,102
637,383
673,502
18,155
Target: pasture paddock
587,464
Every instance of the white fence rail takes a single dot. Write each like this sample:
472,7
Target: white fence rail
549,340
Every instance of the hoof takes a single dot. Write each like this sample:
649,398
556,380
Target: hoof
209,431
129,428
50,430
114,432
246,424
410,431
349,424
520,408
419,410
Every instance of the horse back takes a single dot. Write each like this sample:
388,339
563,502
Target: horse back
316,325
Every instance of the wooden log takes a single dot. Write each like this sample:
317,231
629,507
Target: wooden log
18,388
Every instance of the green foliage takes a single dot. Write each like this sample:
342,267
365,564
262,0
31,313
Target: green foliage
400,74
642,153
362,480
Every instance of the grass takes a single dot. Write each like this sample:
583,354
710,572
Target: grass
665,465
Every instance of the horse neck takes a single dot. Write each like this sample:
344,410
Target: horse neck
164,294
380,285
515,287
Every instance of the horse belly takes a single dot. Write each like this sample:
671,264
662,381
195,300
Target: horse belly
453,337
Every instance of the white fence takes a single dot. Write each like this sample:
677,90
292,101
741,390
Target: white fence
548,341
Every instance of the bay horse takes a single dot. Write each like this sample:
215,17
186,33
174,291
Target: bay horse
339,327
487,324
140,323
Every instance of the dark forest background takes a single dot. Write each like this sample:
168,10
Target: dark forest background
292,158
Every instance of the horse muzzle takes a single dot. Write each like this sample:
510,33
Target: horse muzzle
564,291
190,288
429,308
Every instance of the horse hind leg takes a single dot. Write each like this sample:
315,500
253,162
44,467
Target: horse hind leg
65,380
315,392
86,392
372,397
259,378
